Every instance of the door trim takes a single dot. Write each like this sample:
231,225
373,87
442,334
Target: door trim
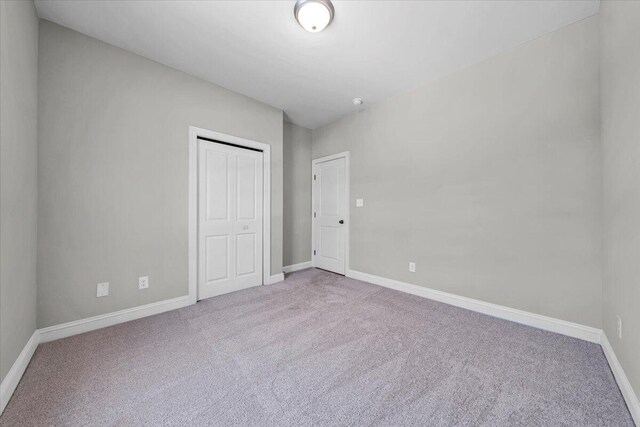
194,133
347,176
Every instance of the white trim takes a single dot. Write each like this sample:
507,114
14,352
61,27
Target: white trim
296,267
109,319
575,330
629,395
11,380
563,327
586,333
194,133
347,174
276,278
193,215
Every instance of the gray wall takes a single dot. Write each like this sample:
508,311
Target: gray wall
488,179
113,172
621,148
297,194
18,177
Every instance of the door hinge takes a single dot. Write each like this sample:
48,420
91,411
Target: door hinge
314,176
314,214
314,251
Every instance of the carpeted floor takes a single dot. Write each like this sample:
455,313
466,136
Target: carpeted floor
318,349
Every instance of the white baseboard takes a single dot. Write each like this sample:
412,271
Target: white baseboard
11,380
563,327
575,330
102,321
621,378
276,278
296,267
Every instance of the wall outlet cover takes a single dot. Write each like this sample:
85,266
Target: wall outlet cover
143,282
619,327
102,290
412,267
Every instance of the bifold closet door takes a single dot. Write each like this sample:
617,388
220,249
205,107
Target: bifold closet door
230,197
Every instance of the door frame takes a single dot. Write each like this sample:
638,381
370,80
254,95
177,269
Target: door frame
194,133
347,176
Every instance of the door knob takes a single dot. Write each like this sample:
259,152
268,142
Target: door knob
341,221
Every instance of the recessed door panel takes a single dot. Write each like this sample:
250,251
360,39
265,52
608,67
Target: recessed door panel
217,185
246,252
230,245
216,258
329,242
329,197
246,182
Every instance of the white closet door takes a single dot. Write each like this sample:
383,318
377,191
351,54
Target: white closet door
330,202
229,219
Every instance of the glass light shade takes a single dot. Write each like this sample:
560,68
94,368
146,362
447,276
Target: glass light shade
314,16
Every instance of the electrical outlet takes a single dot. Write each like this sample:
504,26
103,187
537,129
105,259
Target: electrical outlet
143,282
619,326
102,290
412,267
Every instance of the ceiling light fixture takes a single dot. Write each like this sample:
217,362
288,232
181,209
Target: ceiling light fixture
313,15
357,101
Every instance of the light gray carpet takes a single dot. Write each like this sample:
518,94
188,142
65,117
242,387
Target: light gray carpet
318,349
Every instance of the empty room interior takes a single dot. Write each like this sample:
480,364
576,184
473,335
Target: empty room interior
320,213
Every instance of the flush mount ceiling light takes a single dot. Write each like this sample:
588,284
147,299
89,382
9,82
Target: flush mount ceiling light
357,101
313,15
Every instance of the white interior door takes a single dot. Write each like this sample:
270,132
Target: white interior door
330,207
230,194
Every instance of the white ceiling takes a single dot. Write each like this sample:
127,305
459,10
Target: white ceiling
372,49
